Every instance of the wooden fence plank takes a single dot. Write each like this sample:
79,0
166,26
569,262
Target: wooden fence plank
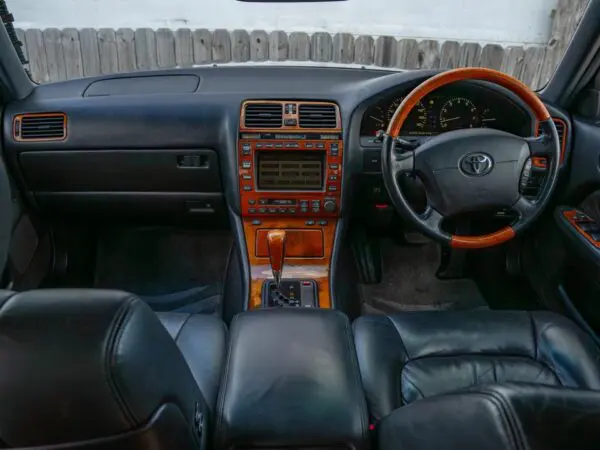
407,54
165,48
449,55
321,47
343,48
532,66
240,46
492,56
279,46
385,51
202,42
126,50
21,37
221,46
512,62
299,46
469,55
145,49
38,62
72,52
57,70
107,49
259,45
184,50
89,52
364,50
428,54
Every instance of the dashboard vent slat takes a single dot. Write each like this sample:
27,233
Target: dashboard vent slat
40,127
317,116
263,115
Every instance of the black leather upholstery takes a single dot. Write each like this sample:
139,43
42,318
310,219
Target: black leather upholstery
497,417
202,340
87,364
411,356
291,379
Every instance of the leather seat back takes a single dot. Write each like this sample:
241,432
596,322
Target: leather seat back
497,417
93,368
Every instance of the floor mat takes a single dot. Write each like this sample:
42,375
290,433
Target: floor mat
171,271
409,283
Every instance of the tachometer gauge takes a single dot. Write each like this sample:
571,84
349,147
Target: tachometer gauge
375,119
488,120
417,117
459,113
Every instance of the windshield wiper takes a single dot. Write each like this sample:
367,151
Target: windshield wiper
8,19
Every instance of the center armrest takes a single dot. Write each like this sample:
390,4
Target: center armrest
291,379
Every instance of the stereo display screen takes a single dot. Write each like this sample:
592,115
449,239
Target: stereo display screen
290,170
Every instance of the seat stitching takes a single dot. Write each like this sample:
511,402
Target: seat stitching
534,333
413,385
403,364
116,331
183,324
507,416
223,389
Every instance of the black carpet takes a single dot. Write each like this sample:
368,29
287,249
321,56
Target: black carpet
409,283
171,271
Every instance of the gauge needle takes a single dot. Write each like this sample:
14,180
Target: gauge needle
449,120
376,119
488,120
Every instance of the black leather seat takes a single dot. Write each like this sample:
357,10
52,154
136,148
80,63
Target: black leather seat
411,356
497,417
97,369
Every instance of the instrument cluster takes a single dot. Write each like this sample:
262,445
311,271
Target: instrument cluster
449,108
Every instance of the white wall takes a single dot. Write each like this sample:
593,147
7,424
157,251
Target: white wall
504,21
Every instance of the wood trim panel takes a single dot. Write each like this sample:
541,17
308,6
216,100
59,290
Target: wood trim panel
468,73
563,143
18,119
299,244
304,268
296,116
487,240
570,216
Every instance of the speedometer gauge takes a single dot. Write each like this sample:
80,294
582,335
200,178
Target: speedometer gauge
417,117
459,113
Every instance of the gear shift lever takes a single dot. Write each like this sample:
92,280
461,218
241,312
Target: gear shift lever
276,242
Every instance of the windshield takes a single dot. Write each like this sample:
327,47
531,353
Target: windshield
66,39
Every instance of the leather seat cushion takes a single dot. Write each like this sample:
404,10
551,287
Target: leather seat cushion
202,339
412,356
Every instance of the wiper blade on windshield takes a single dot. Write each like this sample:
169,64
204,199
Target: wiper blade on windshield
8,19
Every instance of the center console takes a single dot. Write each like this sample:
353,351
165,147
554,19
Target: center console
290,156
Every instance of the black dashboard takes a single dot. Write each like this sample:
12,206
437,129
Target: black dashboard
453,107
164,143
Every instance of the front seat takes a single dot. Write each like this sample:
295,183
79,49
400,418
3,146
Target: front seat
410,356
97,369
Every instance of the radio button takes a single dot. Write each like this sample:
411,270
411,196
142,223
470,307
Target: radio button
310,222
334,166
309,146
291,145
262,201
252,202
246,147
279,145
304,210
320,145
262,210
258,145
272,210
335,147
316,210
246,177
332,188
247,188
332,177
251,210
246,165
246,152
292,210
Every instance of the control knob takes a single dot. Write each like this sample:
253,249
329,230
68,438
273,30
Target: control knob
329,206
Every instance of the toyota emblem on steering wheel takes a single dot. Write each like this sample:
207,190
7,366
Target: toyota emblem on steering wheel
476,164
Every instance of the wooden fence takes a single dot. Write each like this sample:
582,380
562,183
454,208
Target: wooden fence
56,55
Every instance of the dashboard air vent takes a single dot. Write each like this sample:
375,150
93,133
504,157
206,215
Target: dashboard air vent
40,127
263,115
560,128
317,116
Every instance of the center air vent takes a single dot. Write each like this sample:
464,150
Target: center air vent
40,127
317,116
263,115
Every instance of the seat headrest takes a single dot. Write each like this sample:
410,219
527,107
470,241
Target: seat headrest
85,364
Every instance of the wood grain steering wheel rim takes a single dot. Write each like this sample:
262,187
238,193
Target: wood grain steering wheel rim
539,110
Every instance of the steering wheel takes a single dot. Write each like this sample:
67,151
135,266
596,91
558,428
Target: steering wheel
471,169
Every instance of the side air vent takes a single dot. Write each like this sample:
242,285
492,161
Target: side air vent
263,115
317,116
40,127
560,128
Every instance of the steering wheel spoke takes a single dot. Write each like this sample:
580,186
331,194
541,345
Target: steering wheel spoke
402,162
432,219
526,209
540,146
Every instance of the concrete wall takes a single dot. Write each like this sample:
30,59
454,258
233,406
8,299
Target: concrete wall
485,21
